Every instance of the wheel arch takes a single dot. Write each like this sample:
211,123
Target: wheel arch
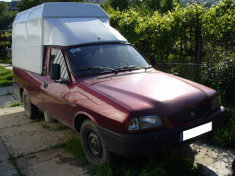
21,94
80,118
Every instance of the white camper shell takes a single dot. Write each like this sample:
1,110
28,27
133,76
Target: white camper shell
57,24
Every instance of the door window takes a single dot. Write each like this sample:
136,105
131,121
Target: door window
57,57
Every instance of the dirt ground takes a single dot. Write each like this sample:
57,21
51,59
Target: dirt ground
27,146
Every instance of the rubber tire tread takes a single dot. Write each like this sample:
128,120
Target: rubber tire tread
87,126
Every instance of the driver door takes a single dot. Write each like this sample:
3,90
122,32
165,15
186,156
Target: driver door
56,95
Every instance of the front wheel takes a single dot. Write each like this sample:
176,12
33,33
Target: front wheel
93,144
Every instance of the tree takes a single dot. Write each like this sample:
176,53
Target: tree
143,5
6,16
26,4
3,7
121,4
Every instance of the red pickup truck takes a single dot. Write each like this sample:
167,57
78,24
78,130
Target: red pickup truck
106,91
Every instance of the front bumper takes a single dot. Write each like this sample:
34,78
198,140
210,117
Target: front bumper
136,145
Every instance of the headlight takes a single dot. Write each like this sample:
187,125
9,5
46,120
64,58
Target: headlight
145,122
215,103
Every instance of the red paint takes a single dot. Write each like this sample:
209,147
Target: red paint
112,100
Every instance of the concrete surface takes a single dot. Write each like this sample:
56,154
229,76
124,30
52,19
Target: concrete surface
217,161
27,139
30,142
6,97
5,90
6,168
52,162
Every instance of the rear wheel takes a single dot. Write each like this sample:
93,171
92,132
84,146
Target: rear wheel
93,144
30,109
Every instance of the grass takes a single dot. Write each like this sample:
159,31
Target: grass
224,135
5,77
60,127
7,60
16,104
171,164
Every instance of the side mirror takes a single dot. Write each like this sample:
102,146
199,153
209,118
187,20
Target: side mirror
55,72
152,59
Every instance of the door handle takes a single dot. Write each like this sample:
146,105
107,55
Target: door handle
45,85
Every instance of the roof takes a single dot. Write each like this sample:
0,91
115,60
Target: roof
61,10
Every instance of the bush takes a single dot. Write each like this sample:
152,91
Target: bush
172,36
221,77
224,135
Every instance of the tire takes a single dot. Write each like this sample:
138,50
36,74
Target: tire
92,144
29,108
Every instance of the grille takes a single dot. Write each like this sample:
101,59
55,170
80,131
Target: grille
189,115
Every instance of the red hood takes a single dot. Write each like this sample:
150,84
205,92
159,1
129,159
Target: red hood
152,91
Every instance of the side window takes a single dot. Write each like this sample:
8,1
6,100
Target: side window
57,57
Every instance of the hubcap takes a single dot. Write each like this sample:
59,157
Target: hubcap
94,145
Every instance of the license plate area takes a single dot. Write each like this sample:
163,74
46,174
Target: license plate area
196,131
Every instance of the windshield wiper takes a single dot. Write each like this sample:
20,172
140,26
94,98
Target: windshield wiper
133,67
130,67
96,68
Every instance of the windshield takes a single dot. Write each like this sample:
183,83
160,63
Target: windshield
98,59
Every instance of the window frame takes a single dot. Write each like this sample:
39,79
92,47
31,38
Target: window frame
63,59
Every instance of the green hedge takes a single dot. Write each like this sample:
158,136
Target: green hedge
172,36
5,42
5,77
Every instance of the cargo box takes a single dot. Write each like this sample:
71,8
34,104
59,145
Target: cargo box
57,24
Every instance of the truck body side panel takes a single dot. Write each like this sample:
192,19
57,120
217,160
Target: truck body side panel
32,83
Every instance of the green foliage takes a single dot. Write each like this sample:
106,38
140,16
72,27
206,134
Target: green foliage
3,7
151,5
16,104
219,21
26,4
74,146
5,42
174,32
224,135
119,4
6,16
5,77
221,77
161,165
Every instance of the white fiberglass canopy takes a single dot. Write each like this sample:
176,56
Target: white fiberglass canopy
60,24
